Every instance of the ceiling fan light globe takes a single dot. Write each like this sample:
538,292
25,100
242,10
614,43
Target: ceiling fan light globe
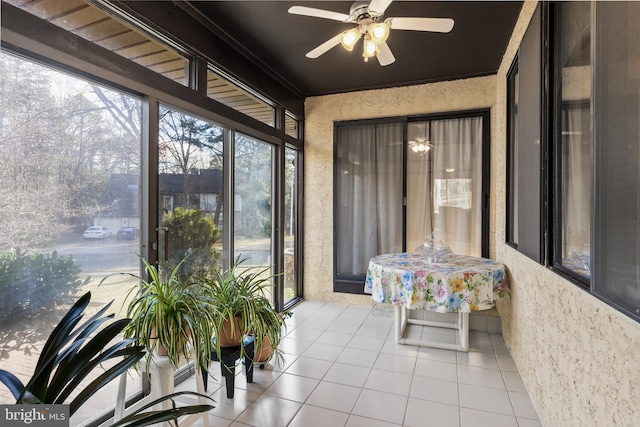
370,48
379,32
349,38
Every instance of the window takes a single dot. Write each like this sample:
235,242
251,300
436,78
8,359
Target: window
513,84
591,216
524,195
190,184
76,154
70,183
291,126
291,206
572,140
399,182
616,214
234,95
253,203
96,25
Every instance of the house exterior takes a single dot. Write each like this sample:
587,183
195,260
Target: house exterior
200,189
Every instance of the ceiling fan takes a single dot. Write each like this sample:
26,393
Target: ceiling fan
368,17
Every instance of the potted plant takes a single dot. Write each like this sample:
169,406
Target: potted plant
171,317
240,300
71,354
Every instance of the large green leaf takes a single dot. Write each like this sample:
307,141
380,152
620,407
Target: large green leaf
58,338
12,382
139,418
102,380
132,355
76,362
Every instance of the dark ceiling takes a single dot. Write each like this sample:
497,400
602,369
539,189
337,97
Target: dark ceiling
278,41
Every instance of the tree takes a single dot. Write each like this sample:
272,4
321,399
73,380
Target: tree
188,144
59,144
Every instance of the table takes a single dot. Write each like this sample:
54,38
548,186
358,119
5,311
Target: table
456,283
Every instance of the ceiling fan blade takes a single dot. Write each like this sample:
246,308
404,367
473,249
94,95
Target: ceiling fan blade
318,13
379,6
385,56
333,41
438,25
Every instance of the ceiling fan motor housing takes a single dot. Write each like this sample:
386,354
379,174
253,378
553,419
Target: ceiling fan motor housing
360,10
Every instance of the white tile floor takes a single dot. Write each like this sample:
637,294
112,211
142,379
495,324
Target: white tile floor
343,368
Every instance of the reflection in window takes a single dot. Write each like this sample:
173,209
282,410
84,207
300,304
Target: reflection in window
575,188
573,56
454,193
617,154
291,126
253,195
444,184
69,162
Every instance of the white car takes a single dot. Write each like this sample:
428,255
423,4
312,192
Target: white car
97,232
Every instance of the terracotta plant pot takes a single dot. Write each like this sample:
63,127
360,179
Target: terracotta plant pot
262,351
161,349
227,337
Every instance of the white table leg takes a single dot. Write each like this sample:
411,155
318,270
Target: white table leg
401,321
462,325
463,319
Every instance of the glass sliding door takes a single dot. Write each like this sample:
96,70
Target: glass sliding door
368,198
444,184
253,202
189,192
400,183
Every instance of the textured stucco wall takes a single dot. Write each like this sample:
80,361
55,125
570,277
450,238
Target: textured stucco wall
577,356
320,114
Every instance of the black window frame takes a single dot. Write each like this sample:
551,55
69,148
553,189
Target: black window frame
555,111
531,175
551,161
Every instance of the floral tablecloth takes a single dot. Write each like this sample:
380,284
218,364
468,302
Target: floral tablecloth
457,283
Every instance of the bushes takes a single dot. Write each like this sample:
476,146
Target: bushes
34,282
193,232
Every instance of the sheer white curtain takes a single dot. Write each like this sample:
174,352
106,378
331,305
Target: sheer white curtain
444,186
576,167
419,187
369,194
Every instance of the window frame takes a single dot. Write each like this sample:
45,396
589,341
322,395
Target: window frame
531,218
511,141
551,164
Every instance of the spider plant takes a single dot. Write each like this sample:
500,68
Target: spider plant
171,315
243,296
